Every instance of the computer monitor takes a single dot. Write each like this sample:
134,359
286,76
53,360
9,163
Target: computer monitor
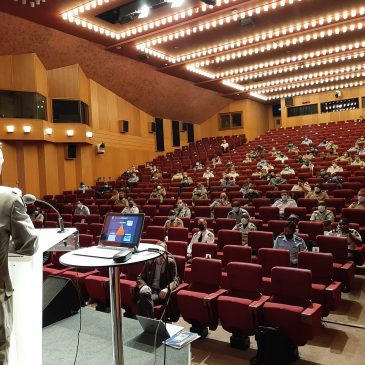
122,230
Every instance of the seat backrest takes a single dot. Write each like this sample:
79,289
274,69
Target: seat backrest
268,213
291,286
319,263
202,249
224,223
202,211
354,215
271,257
313,229
221,212
228,237
159,220
307,203
205,275
244,280
85,240
236,254
260,239
337,246
276,226
155,232
177,248
337,203
301,212
178,234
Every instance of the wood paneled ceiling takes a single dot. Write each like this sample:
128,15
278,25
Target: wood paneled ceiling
266,49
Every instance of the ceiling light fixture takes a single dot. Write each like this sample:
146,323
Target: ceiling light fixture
10,128
89,134
144,11
70,132
27,129
48,131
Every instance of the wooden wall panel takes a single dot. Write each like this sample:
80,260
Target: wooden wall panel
24,75
41,77
84,88
325,117
6,74
9,175
63,82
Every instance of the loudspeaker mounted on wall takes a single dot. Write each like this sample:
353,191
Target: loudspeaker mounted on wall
124,126
289,101
152,127
70,151
100,148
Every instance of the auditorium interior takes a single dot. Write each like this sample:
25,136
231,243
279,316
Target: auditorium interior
94,92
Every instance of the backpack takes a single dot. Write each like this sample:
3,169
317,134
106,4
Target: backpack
273,347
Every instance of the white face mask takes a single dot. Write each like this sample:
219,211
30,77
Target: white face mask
244,221
321,208
236,209
361,199
284,197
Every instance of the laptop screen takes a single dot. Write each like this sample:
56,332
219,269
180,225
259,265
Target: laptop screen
122,230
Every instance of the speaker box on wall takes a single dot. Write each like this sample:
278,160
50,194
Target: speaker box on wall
124,126
70,152
60,299
289,101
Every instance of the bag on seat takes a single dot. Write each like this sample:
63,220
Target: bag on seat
273,347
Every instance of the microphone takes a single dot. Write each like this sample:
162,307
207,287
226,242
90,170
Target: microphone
30,199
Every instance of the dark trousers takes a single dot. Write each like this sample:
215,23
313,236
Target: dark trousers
146,302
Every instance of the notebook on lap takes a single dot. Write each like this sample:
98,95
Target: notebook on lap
120,232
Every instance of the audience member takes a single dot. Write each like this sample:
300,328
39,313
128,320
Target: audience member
317,193
173,221
224,146
251,194
38,215
244,227
345,157
83,187
81,209
177,176
216,160
208,174
287,170
182,210
281,158
237,212
200,192
245,187
277,180
221,202
121,199
360,120
301,185
360,204
284,202
158,192
133,179
198,166
155,282
232,173
130,208
202,236
324,143
334,168
186,180
343,230
322,214
358,162
291,242
307,141
227,180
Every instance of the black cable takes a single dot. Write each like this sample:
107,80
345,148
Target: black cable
80,305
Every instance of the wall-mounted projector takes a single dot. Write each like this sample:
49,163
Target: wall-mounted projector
338,94
100,148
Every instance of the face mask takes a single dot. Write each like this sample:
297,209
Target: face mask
130,205
158,187
284,197
361,199
244,221
321,208
172,217
236,209
317,190
180,205
250,190
201,227
79,206
289,236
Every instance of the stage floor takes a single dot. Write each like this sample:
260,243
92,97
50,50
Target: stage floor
95,348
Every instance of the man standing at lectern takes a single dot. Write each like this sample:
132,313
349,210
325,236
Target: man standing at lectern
17,234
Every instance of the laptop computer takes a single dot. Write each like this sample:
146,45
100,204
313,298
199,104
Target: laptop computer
150,325
120,232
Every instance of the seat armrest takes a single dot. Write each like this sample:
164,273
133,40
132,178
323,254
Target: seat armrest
348,265
215,295
335,285
179,287
313,310
258,303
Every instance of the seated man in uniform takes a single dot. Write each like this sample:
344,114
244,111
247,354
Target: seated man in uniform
284,202
237,212
173,221
290,241
221,202
317,193
343,230
244,227
202,236
182,210
155,282
360,204
323,215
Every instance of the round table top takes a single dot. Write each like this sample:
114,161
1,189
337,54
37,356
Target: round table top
72,259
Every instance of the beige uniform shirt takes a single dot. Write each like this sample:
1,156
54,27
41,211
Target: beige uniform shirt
244,231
